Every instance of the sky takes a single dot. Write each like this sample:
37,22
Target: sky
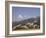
21,13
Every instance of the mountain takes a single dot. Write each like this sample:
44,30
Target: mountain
24,23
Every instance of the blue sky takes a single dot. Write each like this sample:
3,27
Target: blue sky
21,13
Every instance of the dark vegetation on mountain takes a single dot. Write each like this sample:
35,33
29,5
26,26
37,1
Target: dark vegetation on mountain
31,23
